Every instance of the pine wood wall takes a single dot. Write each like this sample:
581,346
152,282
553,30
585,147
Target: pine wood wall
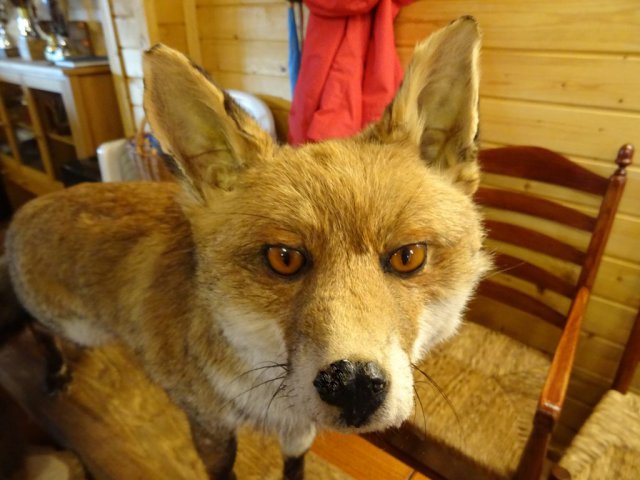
132,26
563,75
126,36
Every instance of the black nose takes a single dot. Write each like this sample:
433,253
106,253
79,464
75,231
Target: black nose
358,388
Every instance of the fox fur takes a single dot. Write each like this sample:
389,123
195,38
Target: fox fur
177,272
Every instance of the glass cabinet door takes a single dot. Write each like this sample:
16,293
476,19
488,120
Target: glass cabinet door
57,141
19,139
35,129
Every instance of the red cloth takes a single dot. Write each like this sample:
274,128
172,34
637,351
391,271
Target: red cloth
350,69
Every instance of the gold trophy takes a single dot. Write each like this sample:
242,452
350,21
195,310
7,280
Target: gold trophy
58,45
7,47
30,43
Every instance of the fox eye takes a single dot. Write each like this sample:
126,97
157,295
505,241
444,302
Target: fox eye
284,261
408,258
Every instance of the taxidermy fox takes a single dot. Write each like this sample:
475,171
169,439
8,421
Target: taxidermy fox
288,288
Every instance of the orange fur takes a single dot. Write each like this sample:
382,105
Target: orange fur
178,273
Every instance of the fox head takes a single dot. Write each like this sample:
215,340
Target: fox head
346,259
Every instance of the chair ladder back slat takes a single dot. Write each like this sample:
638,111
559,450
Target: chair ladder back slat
540,277
606,216
540,164
532,240
517,299
534,206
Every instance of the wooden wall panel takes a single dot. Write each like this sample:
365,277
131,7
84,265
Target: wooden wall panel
262,84
571,25
130,32
609,320
132,58
244,44
126,35
249,57
558,77
136,91
232,2
134,25
563,78
121,8
174,35
171,28
266,21
192,32
138,116
558,127
169,11
624,239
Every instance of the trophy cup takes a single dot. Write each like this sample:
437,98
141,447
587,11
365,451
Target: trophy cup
43,29
30,44
58,45
7,47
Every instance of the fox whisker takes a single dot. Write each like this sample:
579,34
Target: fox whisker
430,381
424,417
284,366
253,387
282,387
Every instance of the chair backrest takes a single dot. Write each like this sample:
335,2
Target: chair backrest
629,360
527,258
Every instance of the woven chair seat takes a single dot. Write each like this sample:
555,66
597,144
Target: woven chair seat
608,444
493,383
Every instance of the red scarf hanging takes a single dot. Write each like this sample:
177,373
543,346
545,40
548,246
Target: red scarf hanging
350,69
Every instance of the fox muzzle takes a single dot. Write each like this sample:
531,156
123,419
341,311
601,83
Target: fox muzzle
357,388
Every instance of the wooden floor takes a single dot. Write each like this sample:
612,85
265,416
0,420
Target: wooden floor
360,459
122,427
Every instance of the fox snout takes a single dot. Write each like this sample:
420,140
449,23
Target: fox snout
357,388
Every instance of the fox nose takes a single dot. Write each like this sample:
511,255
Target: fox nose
358,388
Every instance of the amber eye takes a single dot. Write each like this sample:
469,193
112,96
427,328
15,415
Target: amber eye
409,258
284,260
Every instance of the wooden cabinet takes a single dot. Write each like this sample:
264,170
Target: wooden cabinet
50,116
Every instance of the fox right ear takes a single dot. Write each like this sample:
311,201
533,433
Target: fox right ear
211,138
436,107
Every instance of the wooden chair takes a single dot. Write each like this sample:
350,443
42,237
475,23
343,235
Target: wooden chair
497,400
608,444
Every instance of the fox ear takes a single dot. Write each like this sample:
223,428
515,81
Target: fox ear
211,138
436,106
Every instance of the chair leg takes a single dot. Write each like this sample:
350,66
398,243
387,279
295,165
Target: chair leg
532,460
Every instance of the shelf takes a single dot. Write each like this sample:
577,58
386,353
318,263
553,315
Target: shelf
68,139
7,158
37,101
35,181
24,125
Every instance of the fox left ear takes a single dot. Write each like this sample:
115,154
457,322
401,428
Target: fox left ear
436,106
211,138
